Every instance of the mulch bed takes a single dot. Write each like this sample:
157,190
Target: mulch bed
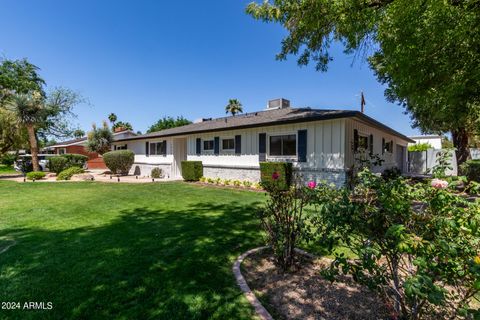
304,294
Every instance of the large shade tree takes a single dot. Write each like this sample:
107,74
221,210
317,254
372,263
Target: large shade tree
167,123
427,52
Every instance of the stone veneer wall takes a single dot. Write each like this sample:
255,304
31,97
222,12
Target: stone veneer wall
337,177
146,169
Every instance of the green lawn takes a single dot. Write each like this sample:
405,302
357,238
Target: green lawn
125,251
7,169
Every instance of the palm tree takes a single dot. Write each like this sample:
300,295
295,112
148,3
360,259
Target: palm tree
112,117
234,106
29,111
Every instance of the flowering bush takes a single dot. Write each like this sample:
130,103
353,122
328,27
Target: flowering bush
439,184
417,245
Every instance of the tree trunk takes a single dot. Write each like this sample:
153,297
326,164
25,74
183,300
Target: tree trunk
32,139
460,142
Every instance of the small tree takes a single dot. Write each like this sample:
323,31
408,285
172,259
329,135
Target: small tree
167,123
78,133
100,139
234,106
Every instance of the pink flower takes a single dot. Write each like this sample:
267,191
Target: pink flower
311,184
275,175
439,184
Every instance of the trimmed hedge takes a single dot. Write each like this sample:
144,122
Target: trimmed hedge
37,175
192,170
276,175
75,160
68,173
120,161
57,164
471,169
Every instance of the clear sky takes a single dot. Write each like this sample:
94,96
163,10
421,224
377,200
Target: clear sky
146,59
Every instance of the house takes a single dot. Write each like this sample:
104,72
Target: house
434,140
78,146
319,143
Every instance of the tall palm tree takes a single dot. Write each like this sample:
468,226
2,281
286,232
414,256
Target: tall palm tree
29,111
234,106
112,117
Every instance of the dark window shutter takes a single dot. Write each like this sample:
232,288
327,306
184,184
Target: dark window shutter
164,148
199,147
115,147
355,140
262,147
302,146
147,149
238,144
216,145
370,143
383,145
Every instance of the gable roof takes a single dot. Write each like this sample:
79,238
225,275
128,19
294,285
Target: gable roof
264,118
80,141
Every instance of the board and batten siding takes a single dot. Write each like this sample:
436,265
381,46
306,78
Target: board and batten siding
325,145
378,134
138,147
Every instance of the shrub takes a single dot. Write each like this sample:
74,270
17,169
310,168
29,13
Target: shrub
247,183
68,173
284,222
35,175
203,179
227,182
420,147
417,245
237,183
156,173
276,175
120,161
442,164
57,164
471,169
218,180
210,180
192,170
391,173
75,160
8,159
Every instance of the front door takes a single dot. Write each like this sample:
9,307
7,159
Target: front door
400,159
179,155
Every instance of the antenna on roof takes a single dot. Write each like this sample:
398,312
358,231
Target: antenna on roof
362,103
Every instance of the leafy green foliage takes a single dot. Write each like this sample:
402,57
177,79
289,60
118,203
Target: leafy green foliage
276,175
192,170
78,133
442,164
167,123
233,107
415,244
19,76
120,161
284,221
471,169
35,175
8,159
57,164
156,173
100,139
68,173
122,125
420,147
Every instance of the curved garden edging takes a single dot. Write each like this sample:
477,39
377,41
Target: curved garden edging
242,283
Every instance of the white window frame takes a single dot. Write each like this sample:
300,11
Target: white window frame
228,138
277,158
155,143
62,149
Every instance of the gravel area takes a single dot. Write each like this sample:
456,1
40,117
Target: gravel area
305,295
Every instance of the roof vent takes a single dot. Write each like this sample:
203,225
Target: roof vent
278,104
201,120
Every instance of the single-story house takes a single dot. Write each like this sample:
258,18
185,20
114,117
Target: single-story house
434,140
78,146
319,143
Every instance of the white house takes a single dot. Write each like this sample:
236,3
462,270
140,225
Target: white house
319,143
434,140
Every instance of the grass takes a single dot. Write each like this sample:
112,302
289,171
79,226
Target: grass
4,169
125,251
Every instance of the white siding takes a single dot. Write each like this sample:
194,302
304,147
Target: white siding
138,147
378,134
325,145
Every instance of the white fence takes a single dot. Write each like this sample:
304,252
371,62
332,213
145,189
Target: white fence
422,162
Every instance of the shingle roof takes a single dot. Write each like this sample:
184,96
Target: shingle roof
263,118
68,142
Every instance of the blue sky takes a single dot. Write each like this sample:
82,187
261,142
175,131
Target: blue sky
146,59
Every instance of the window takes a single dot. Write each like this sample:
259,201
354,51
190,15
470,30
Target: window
363,142
62,150
228,144
122,147
283,145
208,145
158,148
389,147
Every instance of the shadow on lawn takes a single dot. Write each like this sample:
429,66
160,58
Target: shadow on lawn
148,263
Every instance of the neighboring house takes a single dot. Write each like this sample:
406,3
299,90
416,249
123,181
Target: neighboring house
78,146
320,143
434,140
